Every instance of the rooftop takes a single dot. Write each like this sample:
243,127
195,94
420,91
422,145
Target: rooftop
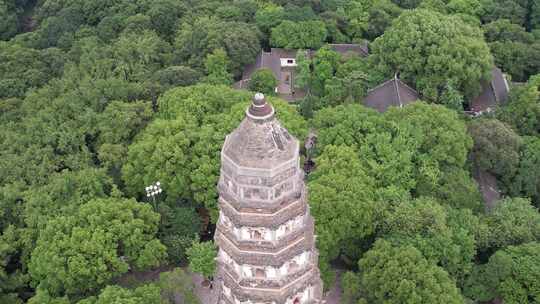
392,92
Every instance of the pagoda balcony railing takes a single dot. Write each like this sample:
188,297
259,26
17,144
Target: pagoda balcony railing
261,293
267,245
266,282
263,257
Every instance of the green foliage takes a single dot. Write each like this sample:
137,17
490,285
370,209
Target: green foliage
179,227
115,294
8,21
341,199
512,222
303,70
448,51
216,65
351,288
138,54
513,10
120,122
177,282
24,68
409,148
269,17
10,281
522,111
527,179
157,154
194,41
445,236
512,274
175,76
263,81
202,258
496,147
299,35
78,254
185,146
401,274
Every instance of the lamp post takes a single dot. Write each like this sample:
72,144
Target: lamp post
152,191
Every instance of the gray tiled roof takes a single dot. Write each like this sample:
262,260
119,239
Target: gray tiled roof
393,92
494,92
359,49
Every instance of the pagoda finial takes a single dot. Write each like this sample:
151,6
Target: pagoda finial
259,108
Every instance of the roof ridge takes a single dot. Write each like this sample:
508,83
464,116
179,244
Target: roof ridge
380,85
406,85
396,88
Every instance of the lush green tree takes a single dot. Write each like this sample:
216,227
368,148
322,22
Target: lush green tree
202,258
269,17
441,141
448,52
511,222
325,63
400,274
139,54
216,65
115,294
380,17
504,30
63,195
157,155
513,10
78,254
512,274
119,123
175,76
179,227
527,180
8,21
496,147
303,76
522,111
10,280
164,16
23,68
457,189
299,35
351,288
263,81
518,59
445,236
342,201
383,147
195,40
178,283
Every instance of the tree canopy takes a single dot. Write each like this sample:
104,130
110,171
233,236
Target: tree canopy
79,254
430,50
401,274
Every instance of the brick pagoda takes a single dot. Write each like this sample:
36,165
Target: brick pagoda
265,234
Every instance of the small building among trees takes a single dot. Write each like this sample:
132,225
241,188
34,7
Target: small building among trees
494,92
282,63
392,92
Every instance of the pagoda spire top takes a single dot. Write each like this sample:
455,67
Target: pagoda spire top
259,108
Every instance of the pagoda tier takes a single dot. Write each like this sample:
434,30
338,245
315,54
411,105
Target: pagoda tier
265,231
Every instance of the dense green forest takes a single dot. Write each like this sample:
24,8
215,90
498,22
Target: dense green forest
101,98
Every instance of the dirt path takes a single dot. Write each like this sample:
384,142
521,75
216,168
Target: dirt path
333,296
205,294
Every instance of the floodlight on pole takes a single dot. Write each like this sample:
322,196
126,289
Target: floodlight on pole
152,191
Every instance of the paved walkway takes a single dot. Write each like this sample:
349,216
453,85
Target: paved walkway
205,294
333,296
